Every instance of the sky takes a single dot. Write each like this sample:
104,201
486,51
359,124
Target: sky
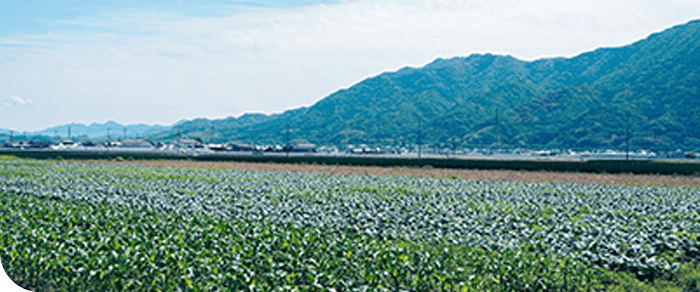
158,62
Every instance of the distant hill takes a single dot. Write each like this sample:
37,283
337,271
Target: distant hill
499,101
94,130
223,129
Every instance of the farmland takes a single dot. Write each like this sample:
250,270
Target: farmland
75,226
473,174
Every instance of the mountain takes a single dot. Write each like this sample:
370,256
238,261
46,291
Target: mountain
94,130
213,130
583,102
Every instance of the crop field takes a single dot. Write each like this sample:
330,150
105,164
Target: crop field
89,227
473,174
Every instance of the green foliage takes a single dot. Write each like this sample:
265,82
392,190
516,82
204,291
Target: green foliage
686,280
88,246
69,226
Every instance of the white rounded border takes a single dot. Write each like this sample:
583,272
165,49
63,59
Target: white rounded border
6,284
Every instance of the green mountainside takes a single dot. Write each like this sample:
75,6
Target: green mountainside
502,102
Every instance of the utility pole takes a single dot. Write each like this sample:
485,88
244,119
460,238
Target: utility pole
179,133
454,146
498,129
211,134
435,150
627,137
287,141
109,134
68,131
418,138
12,135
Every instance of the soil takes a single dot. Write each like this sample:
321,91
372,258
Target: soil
491,175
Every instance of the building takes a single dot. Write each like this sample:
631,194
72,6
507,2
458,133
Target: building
136,143
187,143
39,144
241,147
304,147
675,154
88,144
219,147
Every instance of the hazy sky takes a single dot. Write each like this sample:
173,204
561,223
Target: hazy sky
156,62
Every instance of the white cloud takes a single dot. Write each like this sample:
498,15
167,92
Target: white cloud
123,66
15,101
21,101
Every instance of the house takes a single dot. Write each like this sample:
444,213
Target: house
675,154
39,144
13,144
113,144
356,150
67,143
88,144
241,147
136,143
8,144
187,143
219,147
304,147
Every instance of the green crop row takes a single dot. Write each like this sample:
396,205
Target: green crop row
54,245
70,226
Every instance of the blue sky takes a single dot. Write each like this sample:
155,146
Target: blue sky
32,16
161,61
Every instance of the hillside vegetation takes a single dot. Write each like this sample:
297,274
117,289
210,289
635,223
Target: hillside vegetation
499,101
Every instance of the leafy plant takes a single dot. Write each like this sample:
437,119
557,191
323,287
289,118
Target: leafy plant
71,226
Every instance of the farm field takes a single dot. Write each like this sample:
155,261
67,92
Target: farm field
491,175
88,226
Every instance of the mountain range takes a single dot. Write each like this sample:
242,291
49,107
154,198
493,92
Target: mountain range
95,130
585,102
649,89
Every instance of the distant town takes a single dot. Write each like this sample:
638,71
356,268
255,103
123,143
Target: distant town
189,146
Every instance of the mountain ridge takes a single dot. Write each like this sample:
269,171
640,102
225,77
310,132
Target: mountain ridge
95,130
497,101
487,100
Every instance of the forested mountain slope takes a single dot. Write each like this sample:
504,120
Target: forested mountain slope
500,101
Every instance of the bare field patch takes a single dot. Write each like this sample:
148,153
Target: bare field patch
490,175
